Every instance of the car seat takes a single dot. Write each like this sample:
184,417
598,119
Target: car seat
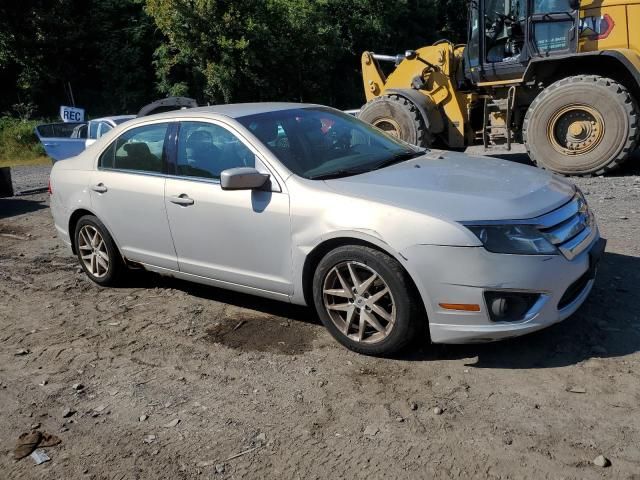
139,157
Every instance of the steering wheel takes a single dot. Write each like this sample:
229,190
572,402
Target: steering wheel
506,19
497,25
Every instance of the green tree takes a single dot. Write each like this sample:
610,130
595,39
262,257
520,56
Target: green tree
102,48
302,50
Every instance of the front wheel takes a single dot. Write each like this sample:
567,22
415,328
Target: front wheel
581,125
366,300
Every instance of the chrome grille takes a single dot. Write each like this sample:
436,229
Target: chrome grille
571,228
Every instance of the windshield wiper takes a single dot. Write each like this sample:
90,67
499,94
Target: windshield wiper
338,174
399,158
345,172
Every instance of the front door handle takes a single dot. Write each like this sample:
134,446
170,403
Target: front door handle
182,199
100,188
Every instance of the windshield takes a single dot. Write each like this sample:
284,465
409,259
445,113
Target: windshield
320,143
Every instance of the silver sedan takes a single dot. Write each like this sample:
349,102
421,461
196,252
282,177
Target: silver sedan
306,204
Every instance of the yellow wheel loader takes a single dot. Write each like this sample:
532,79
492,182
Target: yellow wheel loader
561,76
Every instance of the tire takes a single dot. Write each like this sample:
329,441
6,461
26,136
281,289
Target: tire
401,300
398,117
105,252
581,125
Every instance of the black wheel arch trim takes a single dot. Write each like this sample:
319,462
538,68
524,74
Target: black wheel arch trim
531,70
173,103
75,217
428,110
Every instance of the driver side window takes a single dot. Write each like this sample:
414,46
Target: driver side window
205,150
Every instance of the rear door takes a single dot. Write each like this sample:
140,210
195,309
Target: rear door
62,140
127,194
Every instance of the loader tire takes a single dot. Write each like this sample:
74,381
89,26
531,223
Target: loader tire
582,125
398,117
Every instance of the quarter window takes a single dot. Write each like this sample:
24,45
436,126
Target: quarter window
138,149
104,128
205,150
93,129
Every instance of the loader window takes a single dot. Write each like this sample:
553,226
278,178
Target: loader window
473,48
553,25
551,6
504,30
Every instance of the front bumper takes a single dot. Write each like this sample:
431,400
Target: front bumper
462,275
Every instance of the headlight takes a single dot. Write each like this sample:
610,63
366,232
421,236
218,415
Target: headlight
515,239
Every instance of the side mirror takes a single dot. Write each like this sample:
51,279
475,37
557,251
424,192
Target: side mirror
242,178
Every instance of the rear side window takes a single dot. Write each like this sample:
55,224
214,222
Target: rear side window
138,149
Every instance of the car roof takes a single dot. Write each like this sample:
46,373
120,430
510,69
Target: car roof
113,118
232,110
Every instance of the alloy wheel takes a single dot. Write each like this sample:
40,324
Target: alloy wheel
93,251
359,302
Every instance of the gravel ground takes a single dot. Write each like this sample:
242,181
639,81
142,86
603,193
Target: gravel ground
181,381
27,178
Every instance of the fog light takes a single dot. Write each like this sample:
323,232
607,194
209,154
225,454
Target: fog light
509,306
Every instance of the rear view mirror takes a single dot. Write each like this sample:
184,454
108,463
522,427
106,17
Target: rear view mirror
242,178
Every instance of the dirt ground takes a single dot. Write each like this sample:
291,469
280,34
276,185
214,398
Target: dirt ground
260,390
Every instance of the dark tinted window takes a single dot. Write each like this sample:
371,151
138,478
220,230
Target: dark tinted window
137,149
107,157
58,130
550,36
205,150
551,6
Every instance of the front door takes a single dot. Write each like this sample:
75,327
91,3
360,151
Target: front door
127,195
239,237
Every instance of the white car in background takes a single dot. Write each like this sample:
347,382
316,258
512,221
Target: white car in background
65,140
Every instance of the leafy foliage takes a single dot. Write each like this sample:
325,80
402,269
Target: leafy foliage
18,140
103,49
120,54
301,50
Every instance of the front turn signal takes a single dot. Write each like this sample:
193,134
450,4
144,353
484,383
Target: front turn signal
464,307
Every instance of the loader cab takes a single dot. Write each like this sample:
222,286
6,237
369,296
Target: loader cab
504,35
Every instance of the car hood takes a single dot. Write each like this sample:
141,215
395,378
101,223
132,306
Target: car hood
460,187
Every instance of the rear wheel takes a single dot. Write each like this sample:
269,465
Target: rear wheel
366,300
398,117
582,125
97,252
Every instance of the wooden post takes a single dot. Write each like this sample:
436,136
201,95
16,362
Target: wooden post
6,187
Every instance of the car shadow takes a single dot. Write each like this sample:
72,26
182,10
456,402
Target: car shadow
629,168
11,207
143,279
516,157
607,325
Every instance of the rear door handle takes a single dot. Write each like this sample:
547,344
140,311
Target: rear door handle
100,188
50,144
182,199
